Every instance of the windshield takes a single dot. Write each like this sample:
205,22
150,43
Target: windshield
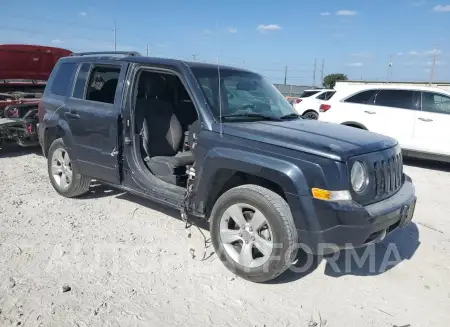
241,93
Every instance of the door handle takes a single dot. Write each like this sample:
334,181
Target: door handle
427,120
72,114
370,112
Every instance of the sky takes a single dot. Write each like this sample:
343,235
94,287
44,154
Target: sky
354,37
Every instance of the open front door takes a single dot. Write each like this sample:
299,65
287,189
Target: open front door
94,116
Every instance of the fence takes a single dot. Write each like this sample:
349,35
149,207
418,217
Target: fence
291,90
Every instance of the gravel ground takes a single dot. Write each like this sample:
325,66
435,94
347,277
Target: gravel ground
112,259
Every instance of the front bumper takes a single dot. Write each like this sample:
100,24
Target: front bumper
357,226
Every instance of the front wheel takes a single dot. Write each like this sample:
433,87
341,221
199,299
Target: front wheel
253,232
64,175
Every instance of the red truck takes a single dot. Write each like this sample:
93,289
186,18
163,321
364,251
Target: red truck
24,70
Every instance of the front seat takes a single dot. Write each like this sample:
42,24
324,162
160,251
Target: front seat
162,134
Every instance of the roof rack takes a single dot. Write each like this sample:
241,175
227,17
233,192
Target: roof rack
126,53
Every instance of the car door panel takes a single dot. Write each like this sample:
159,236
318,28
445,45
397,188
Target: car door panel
94,125
432,124
396,111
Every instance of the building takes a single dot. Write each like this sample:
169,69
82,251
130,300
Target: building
442,85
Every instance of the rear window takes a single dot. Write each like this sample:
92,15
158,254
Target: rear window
326,95
307,94
362,97
62,80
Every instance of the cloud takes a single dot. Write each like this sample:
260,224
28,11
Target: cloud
423,53
325,13
83,14
442,8
232,30
361,54
356,64
346,13
400,54
271,27
57,41
438,63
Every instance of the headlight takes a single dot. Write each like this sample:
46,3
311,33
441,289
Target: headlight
359,177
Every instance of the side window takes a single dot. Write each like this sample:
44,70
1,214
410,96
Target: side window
396,98
103,84
364,97
80,84
62,81
435,102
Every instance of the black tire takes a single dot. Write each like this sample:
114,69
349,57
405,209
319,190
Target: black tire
277,213
79,184
311,114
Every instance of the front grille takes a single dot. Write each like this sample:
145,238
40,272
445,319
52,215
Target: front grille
387,175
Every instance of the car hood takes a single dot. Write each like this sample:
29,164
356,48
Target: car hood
328,140
28,62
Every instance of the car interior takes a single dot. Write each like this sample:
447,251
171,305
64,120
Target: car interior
165,117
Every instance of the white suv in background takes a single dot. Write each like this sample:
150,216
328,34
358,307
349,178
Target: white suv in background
307,105
418,117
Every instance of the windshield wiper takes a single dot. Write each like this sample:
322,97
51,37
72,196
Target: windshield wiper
251,115
290,116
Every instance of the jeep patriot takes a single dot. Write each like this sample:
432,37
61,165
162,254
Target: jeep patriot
224,145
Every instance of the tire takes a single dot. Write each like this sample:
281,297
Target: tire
311,114
283,233
79,183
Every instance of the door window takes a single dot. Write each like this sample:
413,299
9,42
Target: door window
103,84
364,97
435,102
397,99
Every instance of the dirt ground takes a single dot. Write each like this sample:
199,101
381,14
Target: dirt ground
112,259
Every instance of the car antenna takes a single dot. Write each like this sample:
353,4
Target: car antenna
218,75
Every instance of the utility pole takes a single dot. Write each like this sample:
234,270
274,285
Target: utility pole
194,57
434,66
315,68
390,69
115,37
285,75
322,70
147,50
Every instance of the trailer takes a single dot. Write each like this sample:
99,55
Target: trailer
24,70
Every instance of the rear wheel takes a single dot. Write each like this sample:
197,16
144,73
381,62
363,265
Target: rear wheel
313,115
253,232
63,173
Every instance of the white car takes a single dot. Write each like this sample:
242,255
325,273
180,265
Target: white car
418,117
307,105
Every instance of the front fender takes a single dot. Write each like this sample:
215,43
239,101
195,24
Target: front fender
277,170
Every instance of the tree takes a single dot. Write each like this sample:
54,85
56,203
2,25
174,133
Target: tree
329,81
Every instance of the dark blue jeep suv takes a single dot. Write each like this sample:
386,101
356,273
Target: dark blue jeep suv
222,144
